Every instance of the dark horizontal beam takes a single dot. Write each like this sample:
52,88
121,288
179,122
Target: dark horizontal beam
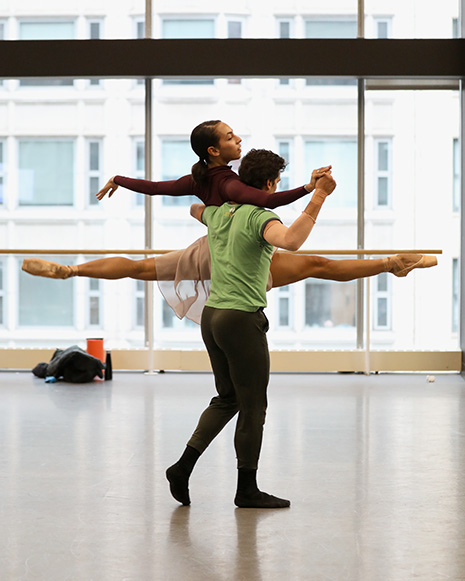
438,58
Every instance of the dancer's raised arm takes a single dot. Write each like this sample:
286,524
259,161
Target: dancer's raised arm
292,237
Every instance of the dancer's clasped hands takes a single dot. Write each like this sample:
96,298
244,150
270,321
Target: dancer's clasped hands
316,175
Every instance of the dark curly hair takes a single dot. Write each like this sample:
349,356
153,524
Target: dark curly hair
260,165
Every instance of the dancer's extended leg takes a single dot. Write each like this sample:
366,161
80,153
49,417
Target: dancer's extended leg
119,267
108,268
289,268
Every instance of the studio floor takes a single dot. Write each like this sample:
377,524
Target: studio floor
374,468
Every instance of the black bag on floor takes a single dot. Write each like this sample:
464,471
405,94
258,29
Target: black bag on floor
73,365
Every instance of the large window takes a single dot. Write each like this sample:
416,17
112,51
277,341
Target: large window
188,28
328,305
46,30
44,303
176,160
342,155
46,172
331,28
2,171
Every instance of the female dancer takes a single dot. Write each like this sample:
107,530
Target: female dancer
212,180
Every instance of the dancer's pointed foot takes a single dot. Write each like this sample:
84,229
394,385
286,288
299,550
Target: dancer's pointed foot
39,267
179,484
260,499
402,264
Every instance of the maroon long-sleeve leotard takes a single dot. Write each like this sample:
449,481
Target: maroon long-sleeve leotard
222,186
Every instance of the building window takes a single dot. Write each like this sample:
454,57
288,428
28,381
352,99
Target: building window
183,28
94,173
46,30
455,295
383,27
284,306
140,303
234,31
2,295
382,302
94,302
2,37
329,305
43,303
177,158
139,31
284,150
284,31
139,167
383,173
456,175
331,28
46,172
171,321
341,154
95,29
2,170
94,33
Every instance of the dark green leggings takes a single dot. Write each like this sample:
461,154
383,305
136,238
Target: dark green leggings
238,349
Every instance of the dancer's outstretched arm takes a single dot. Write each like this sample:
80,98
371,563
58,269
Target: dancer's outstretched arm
230,188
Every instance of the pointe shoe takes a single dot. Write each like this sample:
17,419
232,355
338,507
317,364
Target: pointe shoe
39,267
402,264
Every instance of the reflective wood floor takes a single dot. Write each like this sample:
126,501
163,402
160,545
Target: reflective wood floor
374,468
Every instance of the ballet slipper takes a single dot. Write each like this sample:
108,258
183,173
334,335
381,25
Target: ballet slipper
402,264
39,267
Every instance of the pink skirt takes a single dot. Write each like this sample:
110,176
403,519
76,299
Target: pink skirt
184,279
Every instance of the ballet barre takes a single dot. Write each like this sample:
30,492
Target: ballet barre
56,252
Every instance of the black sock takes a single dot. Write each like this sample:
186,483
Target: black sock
248,494
189,458
178,475
247,481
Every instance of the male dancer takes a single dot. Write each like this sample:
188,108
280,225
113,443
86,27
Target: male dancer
241,239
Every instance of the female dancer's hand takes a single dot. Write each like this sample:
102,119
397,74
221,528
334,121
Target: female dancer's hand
316,174
109,188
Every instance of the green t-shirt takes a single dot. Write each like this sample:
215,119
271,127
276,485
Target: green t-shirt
240,255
